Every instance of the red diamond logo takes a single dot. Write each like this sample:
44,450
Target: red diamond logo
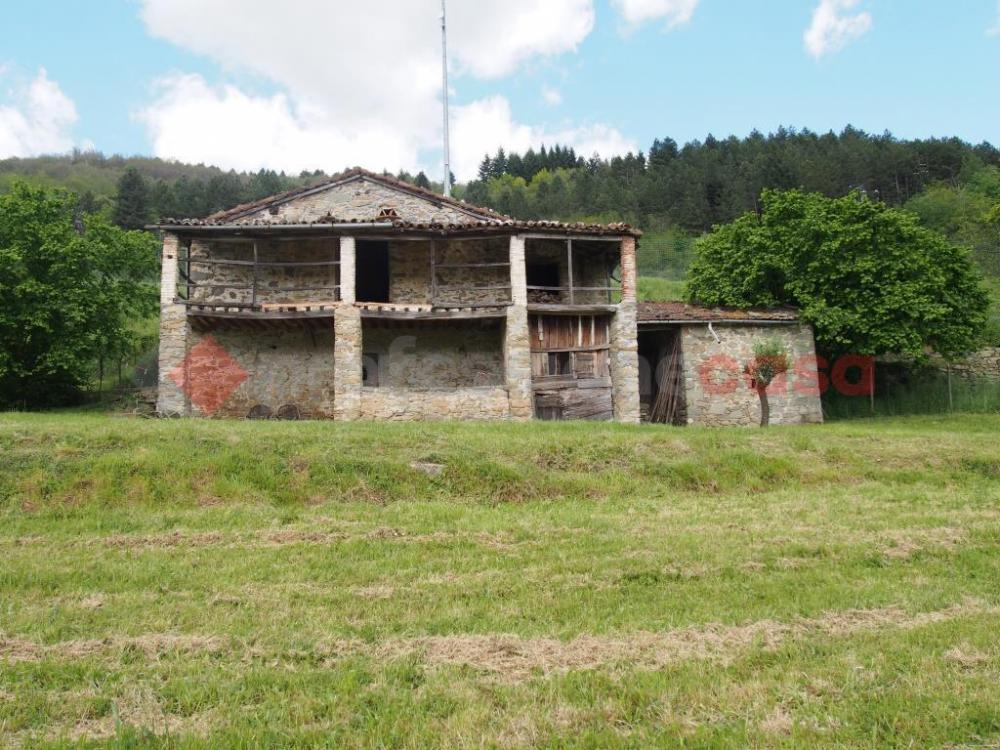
208,375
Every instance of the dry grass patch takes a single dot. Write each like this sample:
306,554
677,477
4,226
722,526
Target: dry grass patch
139,708
514,657
151,645
905,544
966,656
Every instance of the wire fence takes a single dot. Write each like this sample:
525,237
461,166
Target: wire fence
665,255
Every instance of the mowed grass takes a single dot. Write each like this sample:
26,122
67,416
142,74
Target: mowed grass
214,584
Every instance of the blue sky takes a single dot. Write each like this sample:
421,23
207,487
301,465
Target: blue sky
328,84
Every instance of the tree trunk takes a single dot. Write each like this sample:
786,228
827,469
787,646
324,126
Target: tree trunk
765,407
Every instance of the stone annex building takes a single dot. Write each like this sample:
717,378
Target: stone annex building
365,297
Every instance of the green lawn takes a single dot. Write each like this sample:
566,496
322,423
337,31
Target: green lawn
655,289
243,584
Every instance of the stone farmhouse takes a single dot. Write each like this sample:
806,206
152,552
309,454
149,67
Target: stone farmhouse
364,297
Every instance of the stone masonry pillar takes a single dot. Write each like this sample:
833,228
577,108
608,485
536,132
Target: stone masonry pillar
625,342
348,264
174,334
347,374
516,348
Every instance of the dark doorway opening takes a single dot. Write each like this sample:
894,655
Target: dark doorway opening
661,376
543,275
372,268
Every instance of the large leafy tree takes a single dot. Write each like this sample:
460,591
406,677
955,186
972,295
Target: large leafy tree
868,277
72,287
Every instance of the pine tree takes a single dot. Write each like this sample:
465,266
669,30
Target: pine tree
486,168
132,206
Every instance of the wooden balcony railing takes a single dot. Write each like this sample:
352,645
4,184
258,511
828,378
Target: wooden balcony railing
189,284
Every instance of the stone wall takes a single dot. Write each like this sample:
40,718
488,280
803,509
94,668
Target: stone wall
516,343
232,283
359,200
434,355
459,370
174,331
410,272
981,365
625,341
347,374
717,393
625,363
451,403
282,367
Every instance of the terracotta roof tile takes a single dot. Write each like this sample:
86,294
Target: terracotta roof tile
480,219
352,174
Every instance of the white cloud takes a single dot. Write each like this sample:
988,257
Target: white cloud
483,126
834,25
194,121
360,83
637,12
491,38
552,97
38,120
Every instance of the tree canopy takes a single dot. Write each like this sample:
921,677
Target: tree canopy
72,287
711,181
867,276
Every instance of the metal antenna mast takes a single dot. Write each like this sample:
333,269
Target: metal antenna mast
444,93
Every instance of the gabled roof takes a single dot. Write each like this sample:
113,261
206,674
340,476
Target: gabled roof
351,175
477,218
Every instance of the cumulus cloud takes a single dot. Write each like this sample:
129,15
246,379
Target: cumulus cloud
38,118
223,125
359,83
834,25
485,125
674,12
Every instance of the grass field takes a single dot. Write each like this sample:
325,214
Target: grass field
654,289
233,584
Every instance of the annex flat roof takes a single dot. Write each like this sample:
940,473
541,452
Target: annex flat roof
682,312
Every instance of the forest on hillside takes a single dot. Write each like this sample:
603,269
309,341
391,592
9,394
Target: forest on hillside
673,192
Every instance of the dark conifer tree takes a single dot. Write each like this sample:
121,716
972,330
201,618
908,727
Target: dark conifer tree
132,204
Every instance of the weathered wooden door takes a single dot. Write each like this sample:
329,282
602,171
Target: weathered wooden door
570,366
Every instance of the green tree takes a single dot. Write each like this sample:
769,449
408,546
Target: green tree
132,201
264,184
71,294
962,214
868,277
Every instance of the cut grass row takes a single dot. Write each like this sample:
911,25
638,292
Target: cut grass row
233,584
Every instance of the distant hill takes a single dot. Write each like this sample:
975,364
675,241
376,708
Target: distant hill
174,189
689,188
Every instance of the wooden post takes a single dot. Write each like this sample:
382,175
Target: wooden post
433,272
187,269
951,396
253,292
871,394
569,262
607,276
